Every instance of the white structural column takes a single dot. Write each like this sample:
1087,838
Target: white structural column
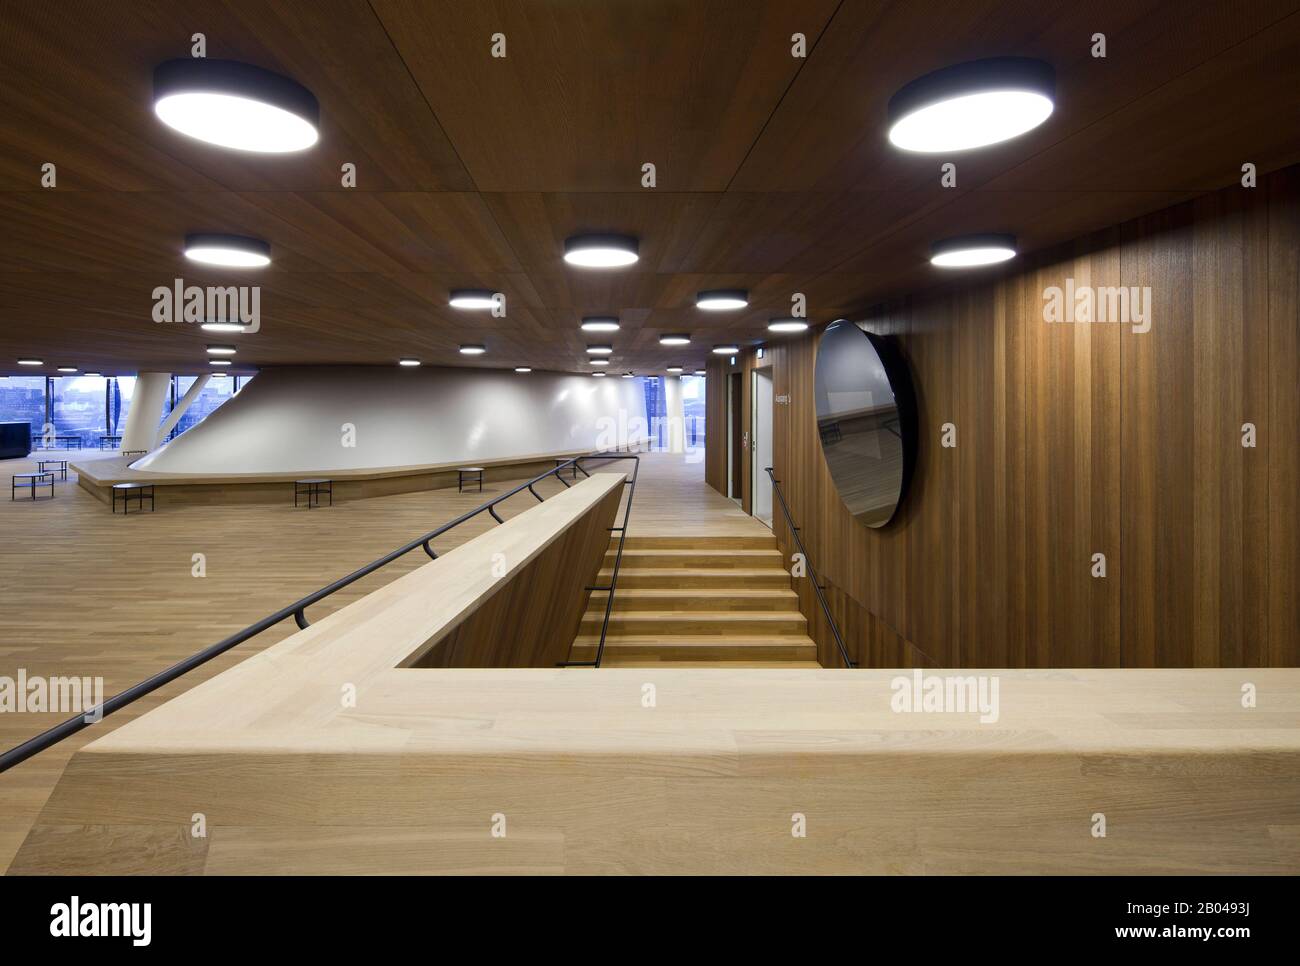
147,401
182,404
673,409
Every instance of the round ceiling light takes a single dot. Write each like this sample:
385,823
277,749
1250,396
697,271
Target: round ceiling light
599,362
969,251
523,369
600,251
30,362
675,338
627,375
408,363
601,374
472,298
472,350
674,369
221,350
229,251
94,375
599,323
235,105
218,362
600,350
719,300
67,368
223,327
725,350
787,325
972,105
699,372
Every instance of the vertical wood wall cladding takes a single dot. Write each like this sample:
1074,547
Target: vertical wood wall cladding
1077,439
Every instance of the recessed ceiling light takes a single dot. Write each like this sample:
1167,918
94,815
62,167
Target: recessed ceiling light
601,374
675,338
725,350
235,105
67,368
599,323
409,363
223,327
787,325
229,251
472,298
674,369
719,300
599,362
973,104
600,251
30,362
472,350
971,250
221,350
600,350
218,362
522,369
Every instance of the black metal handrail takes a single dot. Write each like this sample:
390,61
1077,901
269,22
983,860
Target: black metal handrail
812,573
296,610
618,559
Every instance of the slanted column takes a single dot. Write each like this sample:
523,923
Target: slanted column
146,412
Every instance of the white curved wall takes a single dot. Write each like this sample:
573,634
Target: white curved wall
292,420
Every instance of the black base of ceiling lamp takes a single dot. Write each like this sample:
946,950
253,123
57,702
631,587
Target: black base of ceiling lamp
235,105
232,251
970,251
973,104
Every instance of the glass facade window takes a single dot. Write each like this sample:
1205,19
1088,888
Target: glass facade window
693,409
216,392
22,400
77,409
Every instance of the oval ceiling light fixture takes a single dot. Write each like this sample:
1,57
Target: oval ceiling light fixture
699,372
675,338
600,350
472,350
628,375
229,251
675,369
523,369
722,299
235,105
969,251
223,327
601,374
218,362
601,251
725,350
221,350
67,369
787,325
599,323
599,362
971,105
472,298
93,375
408,363
31,362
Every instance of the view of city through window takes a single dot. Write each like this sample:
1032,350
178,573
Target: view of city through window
656,409
88,408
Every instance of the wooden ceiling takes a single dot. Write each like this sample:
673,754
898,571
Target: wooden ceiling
774,173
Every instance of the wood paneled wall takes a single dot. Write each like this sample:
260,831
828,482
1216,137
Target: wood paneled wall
1077,439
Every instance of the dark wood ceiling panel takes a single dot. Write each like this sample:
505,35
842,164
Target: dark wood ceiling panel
774,174
685,85
76,83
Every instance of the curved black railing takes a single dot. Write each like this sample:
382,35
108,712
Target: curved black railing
812,573
297,610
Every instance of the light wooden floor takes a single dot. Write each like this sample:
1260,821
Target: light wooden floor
92,594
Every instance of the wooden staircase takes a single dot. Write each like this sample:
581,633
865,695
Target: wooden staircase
697,602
